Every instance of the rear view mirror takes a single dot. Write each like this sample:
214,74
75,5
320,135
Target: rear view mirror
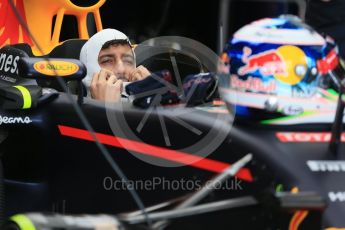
46,69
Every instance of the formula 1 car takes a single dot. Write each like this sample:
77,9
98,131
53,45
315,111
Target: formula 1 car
70,162
189,167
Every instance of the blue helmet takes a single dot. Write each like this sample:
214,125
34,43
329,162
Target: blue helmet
279,72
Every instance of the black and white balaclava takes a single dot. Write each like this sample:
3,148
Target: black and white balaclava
90,51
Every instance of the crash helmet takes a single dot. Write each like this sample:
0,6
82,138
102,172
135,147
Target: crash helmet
279,72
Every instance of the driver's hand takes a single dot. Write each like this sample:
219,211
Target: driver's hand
139,73
106,87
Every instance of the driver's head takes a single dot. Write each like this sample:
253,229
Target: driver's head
117,56
108,49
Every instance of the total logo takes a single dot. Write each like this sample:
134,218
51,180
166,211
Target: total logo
311,137
52,68
287,63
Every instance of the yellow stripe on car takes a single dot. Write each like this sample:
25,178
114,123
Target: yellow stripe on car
26,96
23,222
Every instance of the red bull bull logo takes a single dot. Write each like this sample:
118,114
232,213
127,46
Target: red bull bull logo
287,64
268,63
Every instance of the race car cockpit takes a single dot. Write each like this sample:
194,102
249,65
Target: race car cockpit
181,164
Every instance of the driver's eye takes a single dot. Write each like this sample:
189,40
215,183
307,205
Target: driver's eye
128,61
106,61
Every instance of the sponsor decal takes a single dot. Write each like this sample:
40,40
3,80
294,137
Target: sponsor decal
9,58
197,80
61,68
253,84
328,63
14,120
326,166
9,63
268,63
7,78
306,136
293,110
336,196
287,63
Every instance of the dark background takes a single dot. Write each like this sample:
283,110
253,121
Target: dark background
199,20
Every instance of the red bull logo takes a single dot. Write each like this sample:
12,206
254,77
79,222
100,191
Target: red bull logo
288,64
268,63
253,84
